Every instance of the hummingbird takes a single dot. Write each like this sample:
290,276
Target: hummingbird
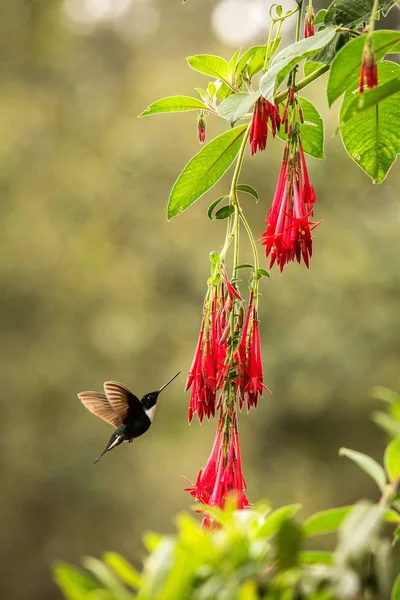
120,407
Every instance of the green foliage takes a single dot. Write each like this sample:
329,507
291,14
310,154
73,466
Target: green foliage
369,137
173,104
246,555
204,170
350,14
291,56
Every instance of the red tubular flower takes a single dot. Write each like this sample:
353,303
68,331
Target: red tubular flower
309,29
263,110
250,378
369,68
288,234
222,474
209,368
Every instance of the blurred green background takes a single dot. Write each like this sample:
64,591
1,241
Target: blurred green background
96,285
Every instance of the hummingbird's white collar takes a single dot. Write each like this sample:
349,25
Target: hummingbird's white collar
150,412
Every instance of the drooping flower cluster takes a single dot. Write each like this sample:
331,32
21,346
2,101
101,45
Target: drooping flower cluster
209,368
309,29
288,234
222,475
250,379
263,111
369,68
225,374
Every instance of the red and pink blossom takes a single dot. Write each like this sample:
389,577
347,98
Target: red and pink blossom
288,235
263,111
222,476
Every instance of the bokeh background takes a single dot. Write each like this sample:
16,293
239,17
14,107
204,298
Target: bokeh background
97,285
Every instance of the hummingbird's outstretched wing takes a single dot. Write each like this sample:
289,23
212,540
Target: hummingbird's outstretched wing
99,405
122,400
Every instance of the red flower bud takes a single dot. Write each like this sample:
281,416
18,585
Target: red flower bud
201,128
369,68
309,29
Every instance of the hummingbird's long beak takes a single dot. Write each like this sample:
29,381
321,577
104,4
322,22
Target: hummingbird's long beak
168,382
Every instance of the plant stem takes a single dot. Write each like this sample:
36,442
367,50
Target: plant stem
252,241
373,16
302,83
298,26
234,199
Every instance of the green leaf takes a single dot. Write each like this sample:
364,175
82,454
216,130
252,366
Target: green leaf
247,189
262,273
173,104
396,589
359,532
275,519
289,542
320,16
257,60
327,54
343,12
288,58
388,423
326,521
310,66
367,464
370,138
316,558
73,582
244,266
244,59
383,393
237,105
392,460
105,576
204,170
213,205
391,516
215,258
233,63
123,569
370,98
345,69
312,130
225,212
210,64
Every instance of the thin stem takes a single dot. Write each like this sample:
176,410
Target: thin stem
271,29
298,26
252,241
302,83
373,16
233,199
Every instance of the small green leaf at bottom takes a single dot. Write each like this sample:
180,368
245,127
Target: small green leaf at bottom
392,460
367,464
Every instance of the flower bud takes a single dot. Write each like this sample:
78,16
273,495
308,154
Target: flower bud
309,29
201,128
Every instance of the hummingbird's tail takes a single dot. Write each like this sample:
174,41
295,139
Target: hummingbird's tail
168,382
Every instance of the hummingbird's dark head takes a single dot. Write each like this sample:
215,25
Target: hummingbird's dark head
149,400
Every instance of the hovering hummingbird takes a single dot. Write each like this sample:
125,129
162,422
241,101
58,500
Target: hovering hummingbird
130,416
